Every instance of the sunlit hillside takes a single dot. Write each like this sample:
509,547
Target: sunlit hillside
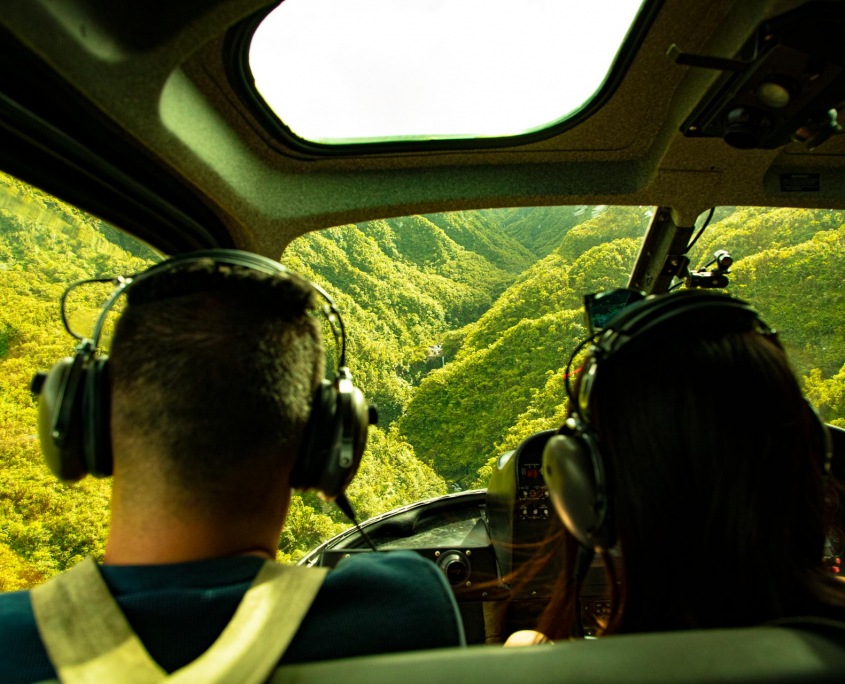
515,351
460,327
506,378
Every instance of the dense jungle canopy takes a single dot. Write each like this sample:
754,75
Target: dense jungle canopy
460,326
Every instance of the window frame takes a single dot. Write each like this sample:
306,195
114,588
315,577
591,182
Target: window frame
236,52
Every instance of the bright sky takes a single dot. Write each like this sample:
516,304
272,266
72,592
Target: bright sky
362,70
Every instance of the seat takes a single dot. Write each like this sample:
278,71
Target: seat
757,654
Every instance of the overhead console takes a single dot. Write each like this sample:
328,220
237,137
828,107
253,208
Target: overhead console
786,83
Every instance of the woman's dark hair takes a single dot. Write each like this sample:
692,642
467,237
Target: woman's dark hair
715,465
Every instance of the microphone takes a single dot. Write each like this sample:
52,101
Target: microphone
346,508
583,561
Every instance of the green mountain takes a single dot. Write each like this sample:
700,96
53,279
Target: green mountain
401,284
793,278
506,378
540,229
484,233
460,327
46,525
581,262
509,356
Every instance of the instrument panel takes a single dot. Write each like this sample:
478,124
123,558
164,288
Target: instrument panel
483,540
532,495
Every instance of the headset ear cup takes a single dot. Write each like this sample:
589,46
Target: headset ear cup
355,413
60,395
334,439
363,416
317,439
96,419
570,474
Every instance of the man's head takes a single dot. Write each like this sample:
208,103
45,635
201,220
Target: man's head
213,369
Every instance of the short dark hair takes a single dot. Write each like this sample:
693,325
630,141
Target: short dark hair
215,368
715,467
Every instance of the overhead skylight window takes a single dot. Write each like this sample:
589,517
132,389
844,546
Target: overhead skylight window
362,71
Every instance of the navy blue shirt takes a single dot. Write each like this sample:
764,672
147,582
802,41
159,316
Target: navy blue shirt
370,603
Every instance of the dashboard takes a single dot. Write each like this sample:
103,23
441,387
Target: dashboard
483,541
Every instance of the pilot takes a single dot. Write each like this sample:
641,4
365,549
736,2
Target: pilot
209,409
693,464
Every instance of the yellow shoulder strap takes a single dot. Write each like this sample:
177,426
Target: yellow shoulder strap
88,639
86,636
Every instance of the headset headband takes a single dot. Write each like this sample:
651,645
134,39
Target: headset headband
231,257
74,396
86,348
639,318
573,466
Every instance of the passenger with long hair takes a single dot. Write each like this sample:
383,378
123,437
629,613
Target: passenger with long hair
692,455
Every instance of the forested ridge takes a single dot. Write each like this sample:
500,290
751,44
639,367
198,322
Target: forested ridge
506,380
46,525
459,329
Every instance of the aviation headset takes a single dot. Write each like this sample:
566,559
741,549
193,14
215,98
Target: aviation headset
74,397
573,467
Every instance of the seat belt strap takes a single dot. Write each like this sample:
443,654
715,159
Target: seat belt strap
88,639
263,626
85,634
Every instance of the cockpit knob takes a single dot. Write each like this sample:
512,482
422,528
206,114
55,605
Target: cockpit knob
455,565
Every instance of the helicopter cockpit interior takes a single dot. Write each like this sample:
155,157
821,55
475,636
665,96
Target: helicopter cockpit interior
705,122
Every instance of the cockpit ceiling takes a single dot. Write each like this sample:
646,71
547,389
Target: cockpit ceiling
156,80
